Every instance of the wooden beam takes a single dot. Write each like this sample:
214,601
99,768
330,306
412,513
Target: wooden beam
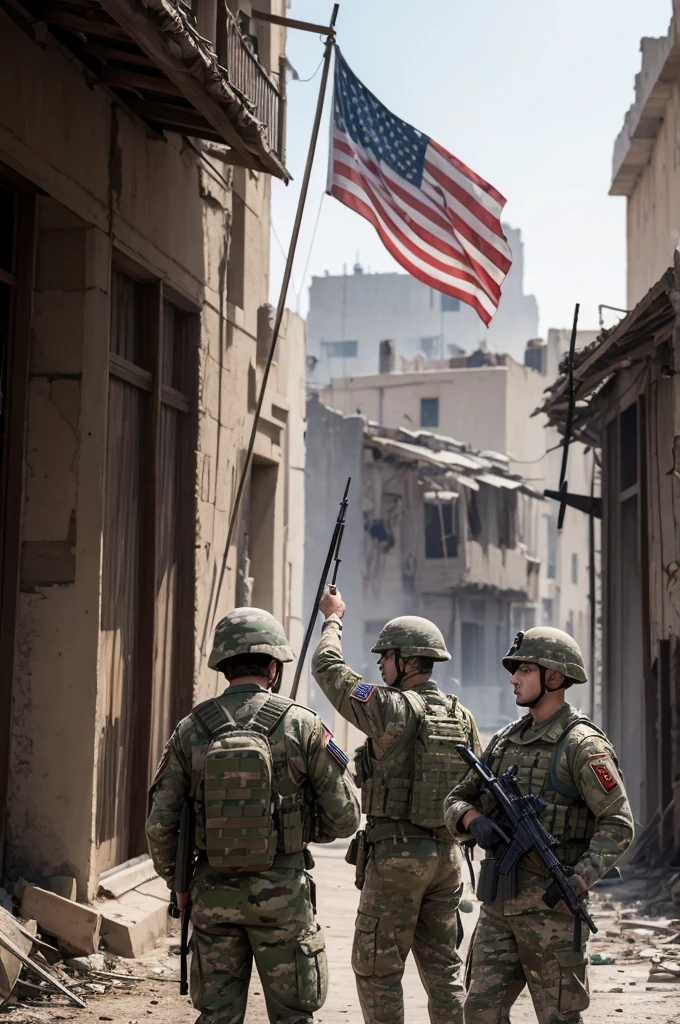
75,23
111,53
304,26
119,78
146,33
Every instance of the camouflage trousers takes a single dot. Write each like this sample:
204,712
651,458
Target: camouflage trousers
268,918
409,902
535,946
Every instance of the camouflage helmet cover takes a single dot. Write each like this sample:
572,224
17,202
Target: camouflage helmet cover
249,631
552,648
412,636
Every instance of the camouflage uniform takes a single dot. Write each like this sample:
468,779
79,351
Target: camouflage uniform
267,916
412,885
570,764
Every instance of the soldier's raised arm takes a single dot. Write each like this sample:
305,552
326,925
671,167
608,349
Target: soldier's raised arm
377,711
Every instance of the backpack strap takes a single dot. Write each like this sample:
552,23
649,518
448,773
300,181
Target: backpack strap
268,716
562,787
212,717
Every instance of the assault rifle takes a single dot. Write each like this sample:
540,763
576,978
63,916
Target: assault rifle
528,836
184,869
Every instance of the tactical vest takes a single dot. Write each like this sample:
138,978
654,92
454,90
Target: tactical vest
420,770
291,816
567,816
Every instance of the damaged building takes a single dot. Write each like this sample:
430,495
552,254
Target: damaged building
626,392
138,139
435,528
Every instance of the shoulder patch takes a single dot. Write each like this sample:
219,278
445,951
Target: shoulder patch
603,774
363,691
333,749
165,757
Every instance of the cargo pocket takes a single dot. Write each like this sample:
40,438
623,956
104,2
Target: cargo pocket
312,971
574,995
375,952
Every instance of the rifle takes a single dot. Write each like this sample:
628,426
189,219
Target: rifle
333,552
184,870
528,835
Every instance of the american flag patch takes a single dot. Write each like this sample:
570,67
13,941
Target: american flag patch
363,691
333,749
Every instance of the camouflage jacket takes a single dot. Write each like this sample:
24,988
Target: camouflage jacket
381,712
309,759
587,764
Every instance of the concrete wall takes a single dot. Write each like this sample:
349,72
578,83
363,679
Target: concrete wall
645,161
114,192
368,308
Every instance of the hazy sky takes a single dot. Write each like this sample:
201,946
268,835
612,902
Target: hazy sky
529,93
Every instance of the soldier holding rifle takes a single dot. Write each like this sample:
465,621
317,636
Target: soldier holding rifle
570,764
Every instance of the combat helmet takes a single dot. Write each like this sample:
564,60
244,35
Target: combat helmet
549,647
249,631
412,637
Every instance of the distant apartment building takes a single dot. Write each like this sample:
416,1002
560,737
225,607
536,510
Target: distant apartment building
488,400
350,314
436,528
627,387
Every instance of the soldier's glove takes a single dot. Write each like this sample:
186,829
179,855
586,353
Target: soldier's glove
552,897
486,832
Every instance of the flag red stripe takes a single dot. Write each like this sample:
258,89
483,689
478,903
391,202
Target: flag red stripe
465,199
441,216
474,275
448,275
484,246
356,204
464,169
425,205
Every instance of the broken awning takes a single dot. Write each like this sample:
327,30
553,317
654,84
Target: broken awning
150,54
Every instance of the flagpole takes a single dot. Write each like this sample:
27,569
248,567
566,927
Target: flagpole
233,520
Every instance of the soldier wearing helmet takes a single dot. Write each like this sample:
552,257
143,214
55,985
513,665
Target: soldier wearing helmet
567,761
240,912
412,886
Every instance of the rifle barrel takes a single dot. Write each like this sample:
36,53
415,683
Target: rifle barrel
332,551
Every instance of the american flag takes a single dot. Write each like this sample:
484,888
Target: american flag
439,219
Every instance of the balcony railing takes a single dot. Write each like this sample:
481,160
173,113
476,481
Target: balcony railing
246,74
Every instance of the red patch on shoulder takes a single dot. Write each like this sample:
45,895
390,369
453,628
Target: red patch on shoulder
604,776
165,757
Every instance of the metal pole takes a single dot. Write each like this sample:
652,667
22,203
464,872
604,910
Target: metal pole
281,304
570,417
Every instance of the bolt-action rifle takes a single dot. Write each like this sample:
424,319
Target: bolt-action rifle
528,835
184,870
333,553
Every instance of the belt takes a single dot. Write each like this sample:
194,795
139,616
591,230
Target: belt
399,829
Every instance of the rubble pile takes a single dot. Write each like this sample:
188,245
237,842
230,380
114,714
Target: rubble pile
42,970
640,925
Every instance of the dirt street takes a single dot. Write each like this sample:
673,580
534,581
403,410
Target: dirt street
622,988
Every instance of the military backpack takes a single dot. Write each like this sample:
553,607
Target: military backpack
238,786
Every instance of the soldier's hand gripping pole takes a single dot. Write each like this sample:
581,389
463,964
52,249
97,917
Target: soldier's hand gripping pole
184,869
529,835
333,552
